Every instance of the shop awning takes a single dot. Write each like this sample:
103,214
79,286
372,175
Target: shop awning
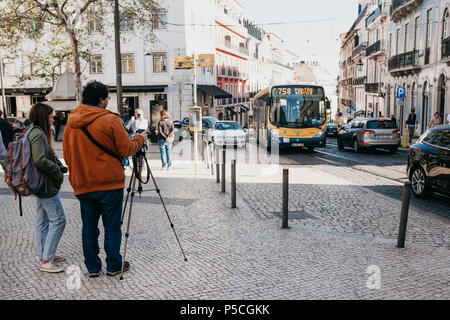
62,105
216,92
156,88
233,112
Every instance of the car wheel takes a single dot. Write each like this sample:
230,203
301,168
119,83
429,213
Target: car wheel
340,144
419,183
356,146
393,149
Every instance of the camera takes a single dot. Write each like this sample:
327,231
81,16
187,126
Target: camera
63,168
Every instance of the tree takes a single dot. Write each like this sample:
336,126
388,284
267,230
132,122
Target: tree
47,33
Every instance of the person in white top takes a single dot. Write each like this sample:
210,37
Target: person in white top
138,123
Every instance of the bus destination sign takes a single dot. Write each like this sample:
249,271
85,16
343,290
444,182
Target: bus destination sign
294,91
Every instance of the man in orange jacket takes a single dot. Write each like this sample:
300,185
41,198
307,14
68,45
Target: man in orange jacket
94,142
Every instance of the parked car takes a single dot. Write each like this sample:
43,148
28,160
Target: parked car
364,133
332,130
429,162
207,123
226,133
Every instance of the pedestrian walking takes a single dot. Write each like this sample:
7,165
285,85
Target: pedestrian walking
395,120
94,143
6,131
411,124
165,131
436,120
50,216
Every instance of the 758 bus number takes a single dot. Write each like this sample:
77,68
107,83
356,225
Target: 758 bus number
292,91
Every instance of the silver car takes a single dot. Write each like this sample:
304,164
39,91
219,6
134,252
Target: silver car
226,133
365,133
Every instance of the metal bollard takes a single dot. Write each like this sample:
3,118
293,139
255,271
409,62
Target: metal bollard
285,210
224,163
233,184
404,215
247,146
211,156
217,165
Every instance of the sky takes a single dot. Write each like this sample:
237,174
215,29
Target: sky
312,40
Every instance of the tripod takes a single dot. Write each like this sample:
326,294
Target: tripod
138,159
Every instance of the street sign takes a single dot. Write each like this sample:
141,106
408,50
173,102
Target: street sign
349,110
206,60
401,93
195,119
183,62
354,107
340,114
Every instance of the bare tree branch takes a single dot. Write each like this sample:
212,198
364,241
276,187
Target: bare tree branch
45,8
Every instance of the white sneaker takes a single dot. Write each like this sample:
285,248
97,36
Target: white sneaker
168,168
50,267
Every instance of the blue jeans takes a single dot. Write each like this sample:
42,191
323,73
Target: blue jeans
50,225
165,148
107,204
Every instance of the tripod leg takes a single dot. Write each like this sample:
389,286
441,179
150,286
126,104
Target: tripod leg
167,213
133,182
126,200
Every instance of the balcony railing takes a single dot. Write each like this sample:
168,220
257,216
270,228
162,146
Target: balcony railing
373,87
403,61
360,48
375,14
376,48
445,48
401,8
359,81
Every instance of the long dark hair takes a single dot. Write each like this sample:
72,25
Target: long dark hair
39,115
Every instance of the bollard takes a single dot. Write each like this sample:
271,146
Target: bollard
285,211
233,184
217,165
224,163
211,156
404,215
247,146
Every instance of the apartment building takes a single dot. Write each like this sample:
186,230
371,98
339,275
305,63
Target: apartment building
408,46
247,59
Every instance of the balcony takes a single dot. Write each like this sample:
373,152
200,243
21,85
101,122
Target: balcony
402,8
373,87
404,64
376,49
359,81
380,11
445,54
359,49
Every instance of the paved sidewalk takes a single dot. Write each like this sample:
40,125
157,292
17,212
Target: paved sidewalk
233,253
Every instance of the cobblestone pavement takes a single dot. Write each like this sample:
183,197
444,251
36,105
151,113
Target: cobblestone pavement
241,253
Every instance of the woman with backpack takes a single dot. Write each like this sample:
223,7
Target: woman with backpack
165,131
50,217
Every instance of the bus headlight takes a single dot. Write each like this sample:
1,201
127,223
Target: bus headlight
320,133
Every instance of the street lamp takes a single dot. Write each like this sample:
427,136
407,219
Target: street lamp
360,65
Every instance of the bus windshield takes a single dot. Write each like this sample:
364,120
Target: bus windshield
298,111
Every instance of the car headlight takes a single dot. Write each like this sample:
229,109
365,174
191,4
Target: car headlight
320,133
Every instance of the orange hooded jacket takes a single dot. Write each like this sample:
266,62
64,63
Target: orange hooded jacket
90,169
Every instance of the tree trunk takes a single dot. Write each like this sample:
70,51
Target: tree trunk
76,61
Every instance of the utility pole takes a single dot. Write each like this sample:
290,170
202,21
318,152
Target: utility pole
1,84
118,57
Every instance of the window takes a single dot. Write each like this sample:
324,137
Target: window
416,32
429,137
443,139
8,68
126,24
445,32
96,64
397,41
160,62
94,23
406,37
128,63
428,34
159,19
